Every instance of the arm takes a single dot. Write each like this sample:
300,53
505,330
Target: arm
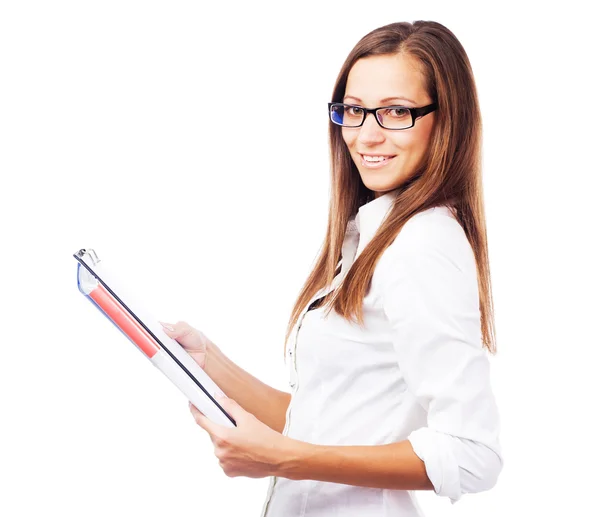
392,466
430,297
267,404
428,286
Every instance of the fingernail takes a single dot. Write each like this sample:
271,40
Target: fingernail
167,326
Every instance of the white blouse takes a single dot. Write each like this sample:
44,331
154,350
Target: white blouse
416,371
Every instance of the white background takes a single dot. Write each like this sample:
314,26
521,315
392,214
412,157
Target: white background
116,133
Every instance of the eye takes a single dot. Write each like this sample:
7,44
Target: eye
398,112
353,111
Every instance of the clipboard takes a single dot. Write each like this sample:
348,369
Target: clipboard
103,288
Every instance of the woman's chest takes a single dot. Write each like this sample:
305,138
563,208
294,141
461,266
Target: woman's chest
329,345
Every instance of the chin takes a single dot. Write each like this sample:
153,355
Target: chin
378,184
378,181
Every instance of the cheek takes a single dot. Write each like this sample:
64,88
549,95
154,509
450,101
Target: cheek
423,135
413,142
349,137
403,141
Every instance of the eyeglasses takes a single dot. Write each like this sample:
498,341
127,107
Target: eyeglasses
388,117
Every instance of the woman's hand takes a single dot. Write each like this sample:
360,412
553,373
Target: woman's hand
252,449
192,340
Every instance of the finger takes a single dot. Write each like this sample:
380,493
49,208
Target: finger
231,407
186,335
208,425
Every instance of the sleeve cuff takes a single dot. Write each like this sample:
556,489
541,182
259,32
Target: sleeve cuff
441,465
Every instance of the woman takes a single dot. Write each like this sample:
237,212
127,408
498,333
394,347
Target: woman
387,341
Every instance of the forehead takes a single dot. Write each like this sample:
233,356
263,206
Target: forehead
380,77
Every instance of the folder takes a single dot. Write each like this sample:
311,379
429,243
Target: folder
102,286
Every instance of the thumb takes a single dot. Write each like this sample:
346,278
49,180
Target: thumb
231,406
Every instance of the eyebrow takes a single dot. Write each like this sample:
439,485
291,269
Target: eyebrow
387,99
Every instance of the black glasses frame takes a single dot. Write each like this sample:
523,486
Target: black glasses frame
415,113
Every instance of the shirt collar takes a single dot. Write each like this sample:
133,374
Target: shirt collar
370,216
363,226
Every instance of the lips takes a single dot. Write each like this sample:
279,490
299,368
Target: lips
374,161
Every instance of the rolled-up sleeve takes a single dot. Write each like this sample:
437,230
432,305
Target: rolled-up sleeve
430,296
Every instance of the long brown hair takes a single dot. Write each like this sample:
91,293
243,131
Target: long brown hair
450,173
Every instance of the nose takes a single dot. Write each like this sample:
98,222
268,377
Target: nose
371,132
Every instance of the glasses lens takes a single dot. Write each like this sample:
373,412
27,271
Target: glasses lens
345,115
395,118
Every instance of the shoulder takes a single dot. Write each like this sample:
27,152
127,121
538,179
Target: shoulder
434,235
430,261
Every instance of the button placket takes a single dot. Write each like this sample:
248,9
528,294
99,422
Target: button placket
291,353
292,367
348,254
293,375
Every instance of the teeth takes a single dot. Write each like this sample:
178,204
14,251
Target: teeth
373,158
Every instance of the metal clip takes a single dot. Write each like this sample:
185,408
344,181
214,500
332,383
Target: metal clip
90,253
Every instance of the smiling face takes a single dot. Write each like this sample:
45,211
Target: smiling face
387,158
